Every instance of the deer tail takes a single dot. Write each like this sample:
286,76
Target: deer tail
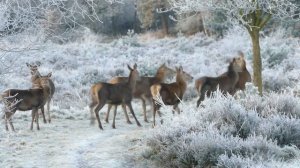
199,84
94,94
155,90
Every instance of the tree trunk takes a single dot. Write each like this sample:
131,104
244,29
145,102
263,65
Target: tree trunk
257,65
164,22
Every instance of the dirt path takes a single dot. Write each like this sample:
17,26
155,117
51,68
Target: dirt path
70,143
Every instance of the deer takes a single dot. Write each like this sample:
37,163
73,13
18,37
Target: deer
226,82
171,93
142,88
35,76
116,94
30,99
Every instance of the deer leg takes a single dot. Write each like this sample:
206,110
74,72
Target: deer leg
43,113
48,110
92,118
11,125
37,119
96,110
126,114
114,120
201,98
150,101
8,118
32,120
6,125
132,112
198,101
107,114
175,108
154,112
144,109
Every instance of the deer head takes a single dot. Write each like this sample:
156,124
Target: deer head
33,67
237,64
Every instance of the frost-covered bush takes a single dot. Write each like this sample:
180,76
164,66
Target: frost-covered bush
207,147
230,117
278,81
190,25
282,129
230,132
279,61
217,23
284,103
129,40
275,55
277,49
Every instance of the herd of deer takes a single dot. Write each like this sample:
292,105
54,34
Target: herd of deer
121,91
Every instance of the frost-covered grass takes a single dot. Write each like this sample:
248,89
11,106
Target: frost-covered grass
225,132
249,131
77,65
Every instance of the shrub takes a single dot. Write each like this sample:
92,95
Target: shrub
229,132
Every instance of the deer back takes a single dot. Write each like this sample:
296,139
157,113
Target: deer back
31,98
226,82
118,79
142,86
115,93
172,91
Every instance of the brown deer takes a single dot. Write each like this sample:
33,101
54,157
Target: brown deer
171,94
226,82
31,99
244,76
142,87
116,94
35,76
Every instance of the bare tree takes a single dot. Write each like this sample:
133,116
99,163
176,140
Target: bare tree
47,16
252,14
42,18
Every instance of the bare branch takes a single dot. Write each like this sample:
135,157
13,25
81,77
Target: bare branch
239,10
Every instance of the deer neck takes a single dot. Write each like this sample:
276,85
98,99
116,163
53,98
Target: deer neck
232,73
46,90
131,82
160,75
35,80
244,68
180,81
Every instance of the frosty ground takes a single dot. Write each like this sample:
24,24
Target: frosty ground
70,141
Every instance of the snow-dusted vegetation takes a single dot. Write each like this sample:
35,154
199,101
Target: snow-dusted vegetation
243,130
229,133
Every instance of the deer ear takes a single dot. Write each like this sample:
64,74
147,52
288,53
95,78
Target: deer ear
129,67
180,68
49,75
38,63
241,54
135,66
